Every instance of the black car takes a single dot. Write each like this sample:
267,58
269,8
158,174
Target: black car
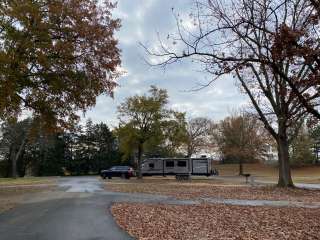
118,171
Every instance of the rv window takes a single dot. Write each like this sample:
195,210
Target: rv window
151,165
182,163
169,163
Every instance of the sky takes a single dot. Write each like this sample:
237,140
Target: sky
142,21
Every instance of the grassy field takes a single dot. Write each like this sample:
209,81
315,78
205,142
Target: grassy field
14,191
227,185
27,181
197,189
308,174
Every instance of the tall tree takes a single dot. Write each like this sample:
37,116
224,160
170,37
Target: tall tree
241,139
140,120
92,147
299,42
238,37
108,149
302,148
15,136
198,130
56,57
170,138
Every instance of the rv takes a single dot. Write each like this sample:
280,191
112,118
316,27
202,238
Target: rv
174,166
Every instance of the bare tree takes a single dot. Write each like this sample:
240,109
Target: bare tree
299,42
239,38
316,5
197,134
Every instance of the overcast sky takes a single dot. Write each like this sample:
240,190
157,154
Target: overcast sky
141,21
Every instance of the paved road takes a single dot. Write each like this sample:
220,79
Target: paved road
78,210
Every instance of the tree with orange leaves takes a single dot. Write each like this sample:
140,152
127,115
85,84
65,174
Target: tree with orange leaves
56,57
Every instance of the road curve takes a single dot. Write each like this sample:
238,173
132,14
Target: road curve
75,212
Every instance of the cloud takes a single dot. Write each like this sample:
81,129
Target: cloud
141,22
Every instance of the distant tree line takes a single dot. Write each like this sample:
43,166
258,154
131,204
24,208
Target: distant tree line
29,149
147,128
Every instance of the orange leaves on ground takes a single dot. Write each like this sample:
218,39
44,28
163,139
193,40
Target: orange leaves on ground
152,221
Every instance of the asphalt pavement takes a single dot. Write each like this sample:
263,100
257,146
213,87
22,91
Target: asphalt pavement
78,210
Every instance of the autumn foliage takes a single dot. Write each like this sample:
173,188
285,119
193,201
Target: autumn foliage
56,57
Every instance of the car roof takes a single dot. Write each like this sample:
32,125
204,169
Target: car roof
121,167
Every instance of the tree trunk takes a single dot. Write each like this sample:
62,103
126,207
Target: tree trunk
15,156
240,167
189,151
285,179
140,151
13,162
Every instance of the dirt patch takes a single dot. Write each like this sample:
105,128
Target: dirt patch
10,197
165,222
195,190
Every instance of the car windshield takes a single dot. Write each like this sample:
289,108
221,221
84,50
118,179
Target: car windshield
119,168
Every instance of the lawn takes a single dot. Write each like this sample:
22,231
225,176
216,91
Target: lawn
228,185
10,197
254,169
26,181
307,174
196,189
14,191
208,221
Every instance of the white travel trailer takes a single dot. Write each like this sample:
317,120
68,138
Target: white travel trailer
174,166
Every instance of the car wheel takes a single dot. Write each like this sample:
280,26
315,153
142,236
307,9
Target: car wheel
109,177
104,176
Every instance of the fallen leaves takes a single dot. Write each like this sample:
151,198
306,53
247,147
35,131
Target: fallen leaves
208,221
